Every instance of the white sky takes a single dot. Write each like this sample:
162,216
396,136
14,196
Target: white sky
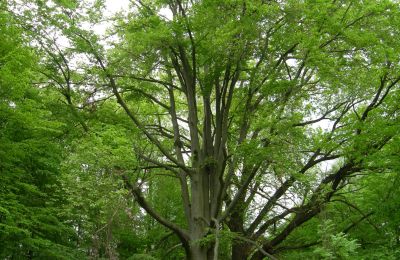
114,6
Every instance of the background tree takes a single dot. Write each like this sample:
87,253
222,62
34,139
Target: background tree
30,154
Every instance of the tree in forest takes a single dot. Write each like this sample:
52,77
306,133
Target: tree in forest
30,154
263,111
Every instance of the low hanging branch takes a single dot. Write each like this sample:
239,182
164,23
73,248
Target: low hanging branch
135,191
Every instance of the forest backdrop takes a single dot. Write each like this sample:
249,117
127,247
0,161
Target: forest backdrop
200,129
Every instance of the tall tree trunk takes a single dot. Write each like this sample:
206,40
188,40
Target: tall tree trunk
197,252
200,220
240,250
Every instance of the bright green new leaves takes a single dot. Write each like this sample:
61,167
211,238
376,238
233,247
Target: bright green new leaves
30,154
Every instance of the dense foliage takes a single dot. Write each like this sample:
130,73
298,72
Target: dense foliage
200,130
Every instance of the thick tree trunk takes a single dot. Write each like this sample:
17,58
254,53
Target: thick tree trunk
197,252
200,216
240,250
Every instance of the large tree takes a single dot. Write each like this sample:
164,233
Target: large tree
263,110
